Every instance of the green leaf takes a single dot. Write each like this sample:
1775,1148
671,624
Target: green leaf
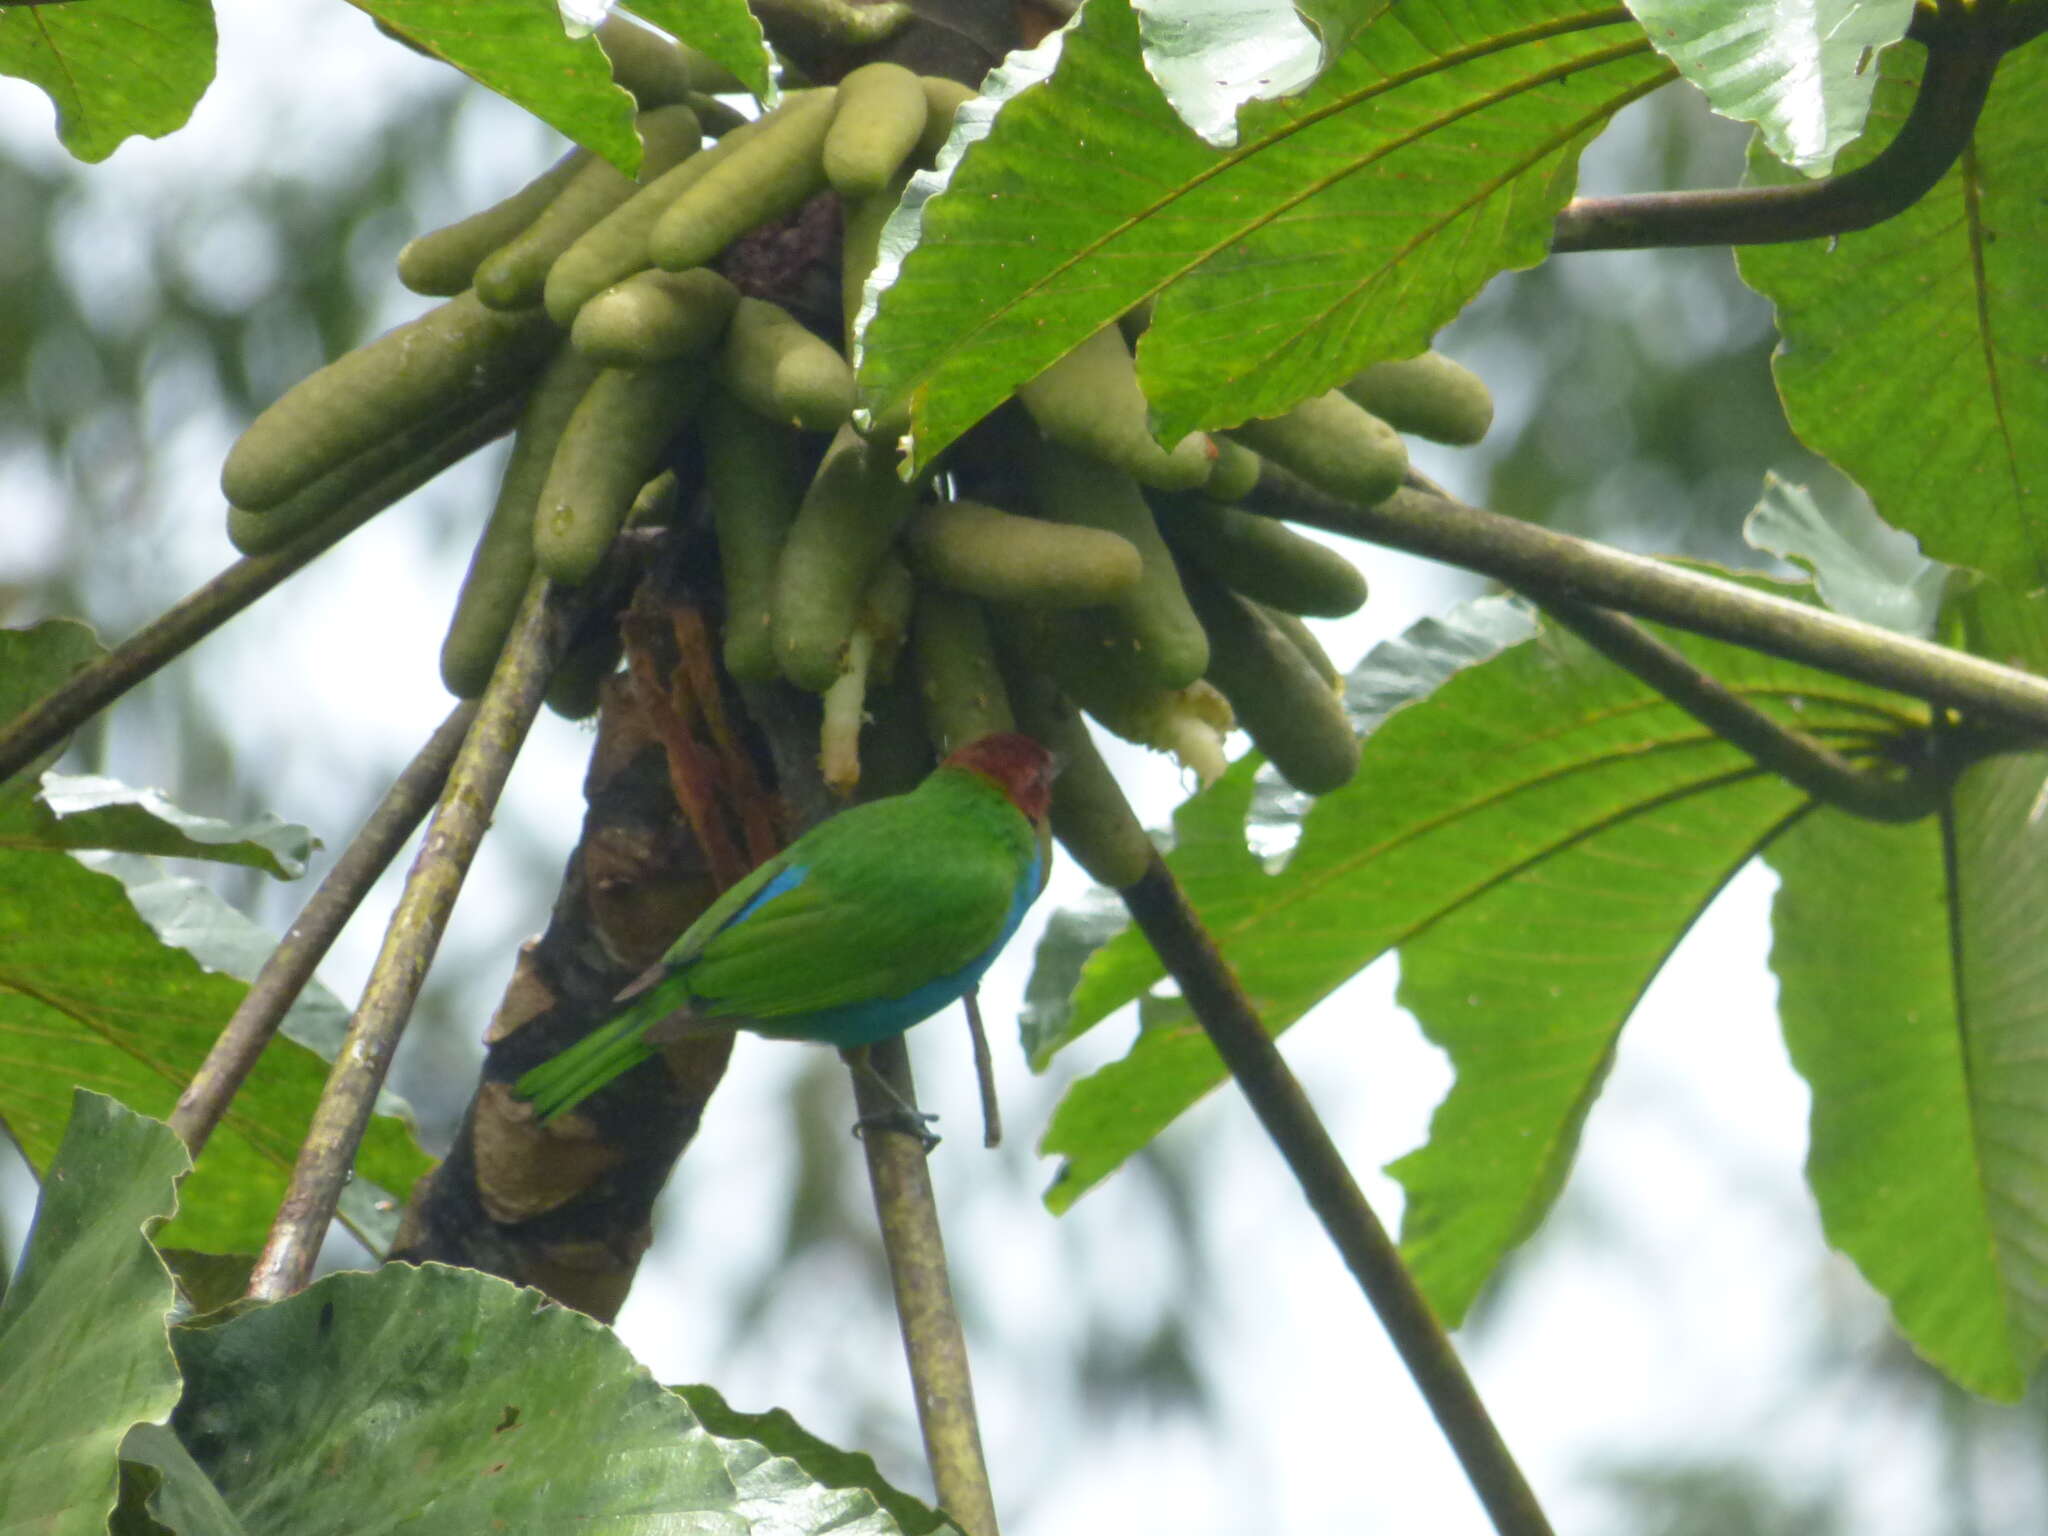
33,662
1918,1020
112,68
80,811
183,1498
520,49
1072,937
1860,567
1352,221
83,1329
1912,351
443,1399
779,1434
724,29
89,995
1535,837
1798,69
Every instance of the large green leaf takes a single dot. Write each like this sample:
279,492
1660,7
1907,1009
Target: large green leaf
88,811
1859,566
1347,225
1910,970
520,49
112,68
447,1400
1535,837
34,661
84,1350
1912,352
724,29
1798,69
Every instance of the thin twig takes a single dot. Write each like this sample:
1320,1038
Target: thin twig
1423,519
1793,755
504,715
192,618
1161,910
932,1338
1960,64
306,942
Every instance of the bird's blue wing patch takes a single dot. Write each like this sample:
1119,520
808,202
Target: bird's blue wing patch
783,883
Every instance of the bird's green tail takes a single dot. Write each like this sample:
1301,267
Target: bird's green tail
562,1082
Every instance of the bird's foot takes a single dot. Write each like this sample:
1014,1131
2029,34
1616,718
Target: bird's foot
906,1122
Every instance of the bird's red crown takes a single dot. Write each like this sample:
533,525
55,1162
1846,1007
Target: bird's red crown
1020,767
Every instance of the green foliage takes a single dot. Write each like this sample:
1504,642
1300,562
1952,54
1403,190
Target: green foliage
1800,71
113,68
83,1346
1451,140
1912,351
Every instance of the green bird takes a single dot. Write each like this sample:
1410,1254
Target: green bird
867,924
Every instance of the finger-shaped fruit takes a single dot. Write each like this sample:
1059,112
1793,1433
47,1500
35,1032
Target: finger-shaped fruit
943,98
770,175
655,317
451,361
610,448
1164,634
773,363
1333,442
752,481
354,491
443,261
1090,400
880,117
1292,714
958,678
502,563
515,275
615,246
859,249
657,71
1090,816
1263,558
1304,640
997,555
849,516
1429,395
1235,472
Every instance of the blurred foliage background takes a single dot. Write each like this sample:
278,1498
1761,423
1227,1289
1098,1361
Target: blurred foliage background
1181,1349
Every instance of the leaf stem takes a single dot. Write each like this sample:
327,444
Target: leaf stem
291,965
1161,910
1423,519
1792,755
932,1338
1961,60
503,716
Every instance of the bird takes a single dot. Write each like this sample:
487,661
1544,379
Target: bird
871,922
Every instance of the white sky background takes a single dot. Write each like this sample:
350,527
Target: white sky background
1671,1313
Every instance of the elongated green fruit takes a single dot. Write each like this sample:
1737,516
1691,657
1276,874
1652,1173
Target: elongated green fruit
615,246
943,98
774,364
452,360
859,248
1263,558
658,72
997,555
1090,400
610,448
770,175
443,261
1165,636
1090,815
515,275
1303,639
655,317
1235,473
848,518
959,681
1429,395
751,478
361,487
1292,714
502,563
879,120
1335,444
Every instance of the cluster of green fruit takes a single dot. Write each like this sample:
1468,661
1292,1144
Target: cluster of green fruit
1072,561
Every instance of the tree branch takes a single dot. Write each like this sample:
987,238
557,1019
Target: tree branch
306,942
1161,909
1423,519
1961,60
504,715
